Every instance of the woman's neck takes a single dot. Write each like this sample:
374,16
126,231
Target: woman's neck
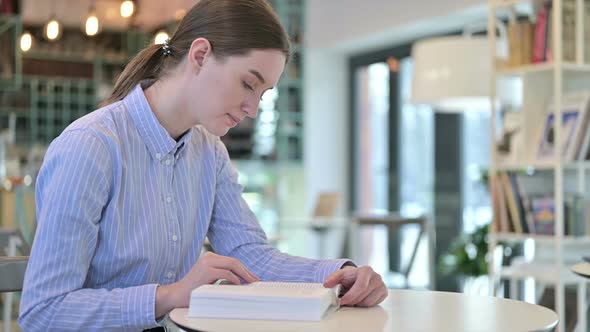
164,99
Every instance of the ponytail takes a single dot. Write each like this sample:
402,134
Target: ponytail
147,64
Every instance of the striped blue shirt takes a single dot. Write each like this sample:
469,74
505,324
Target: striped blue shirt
122,207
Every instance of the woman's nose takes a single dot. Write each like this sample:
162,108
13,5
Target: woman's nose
251,109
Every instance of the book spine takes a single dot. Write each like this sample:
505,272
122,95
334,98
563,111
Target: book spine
512,205
540,36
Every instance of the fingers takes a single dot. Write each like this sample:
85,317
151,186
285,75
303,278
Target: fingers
334,278
360,288
226,274
375,297
231,264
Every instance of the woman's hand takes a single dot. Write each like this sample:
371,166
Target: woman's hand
209,268
365,286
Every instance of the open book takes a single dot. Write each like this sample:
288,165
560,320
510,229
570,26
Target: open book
264,300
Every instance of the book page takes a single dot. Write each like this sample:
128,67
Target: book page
273,284
293,285
270,289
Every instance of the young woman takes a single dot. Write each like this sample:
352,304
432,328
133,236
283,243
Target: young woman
127,194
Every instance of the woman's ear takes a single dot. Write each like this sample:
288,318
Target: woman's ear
199,53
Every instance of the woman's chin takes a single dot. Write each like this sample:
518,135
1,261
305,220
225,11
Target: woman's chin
218,130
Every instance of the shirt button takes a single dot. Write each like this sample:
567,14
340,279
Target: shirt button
158,156
170,275
169,199
168,162
174,238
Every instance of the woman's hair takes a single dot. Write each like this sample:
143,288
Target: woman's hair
232,27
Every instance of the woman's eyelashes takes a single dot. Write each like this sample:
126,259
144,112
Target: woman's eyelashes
251,88
248,86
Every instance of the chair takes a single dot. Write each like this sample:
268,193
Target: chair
322,220
12,270
12,274
326,205
24,203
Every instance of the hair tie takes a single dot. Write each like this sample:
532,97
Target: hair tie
166,48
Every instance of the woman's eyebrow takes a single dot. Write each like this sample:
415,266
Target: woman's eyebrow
258,75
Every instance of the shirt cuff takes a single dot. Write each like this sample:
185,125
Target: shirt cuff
138,307
327,267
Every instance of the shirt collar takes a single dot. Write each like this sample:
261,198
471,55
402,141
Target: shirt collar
155,137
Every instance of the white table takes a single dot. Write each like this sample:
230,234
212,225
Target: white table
403,310
582,269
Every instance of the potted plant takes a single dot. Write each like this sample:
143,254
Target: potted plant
467,259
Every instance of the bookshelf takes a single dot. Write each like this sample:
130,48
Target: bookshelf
10,61
553,67
543,68
547,239
534,167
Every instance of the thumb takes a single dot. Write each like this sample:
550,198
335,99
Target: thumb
334,278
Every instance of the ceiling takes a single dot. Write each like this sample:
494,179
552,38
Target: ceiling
151,13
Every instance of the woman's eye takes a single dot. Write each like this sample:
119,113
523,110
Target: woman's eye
247,86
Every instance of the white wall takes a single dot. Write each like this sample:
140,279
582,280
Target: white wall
326,124
337,29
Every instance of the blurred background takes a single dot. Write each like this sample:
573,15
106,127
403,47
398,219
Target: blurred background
414,136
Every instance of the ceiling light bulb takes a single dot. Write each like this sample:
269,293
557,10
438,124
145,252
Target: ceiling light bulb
52,29
161,37
127,8
92,25
26,42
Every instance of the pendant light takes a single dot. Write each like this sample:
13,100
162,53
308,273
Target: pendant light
92,25
26,41
452,73
127,8
52,29
161,37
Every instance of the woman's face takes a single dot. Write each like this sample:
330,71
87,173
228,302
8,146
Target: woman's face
231,88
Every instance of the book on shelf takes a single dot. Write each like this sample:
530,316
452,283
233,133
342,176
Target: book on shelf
264,300
574,125
532,41
540,41
498,208
520,42
516,210
513,204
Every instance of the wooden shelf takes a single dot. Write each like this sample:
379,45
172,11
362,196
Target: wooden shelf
520,167
515,237
543,68
574,165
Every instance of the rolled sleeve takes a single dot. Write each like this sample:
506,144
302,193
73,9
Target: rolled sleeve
235,232
327,267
